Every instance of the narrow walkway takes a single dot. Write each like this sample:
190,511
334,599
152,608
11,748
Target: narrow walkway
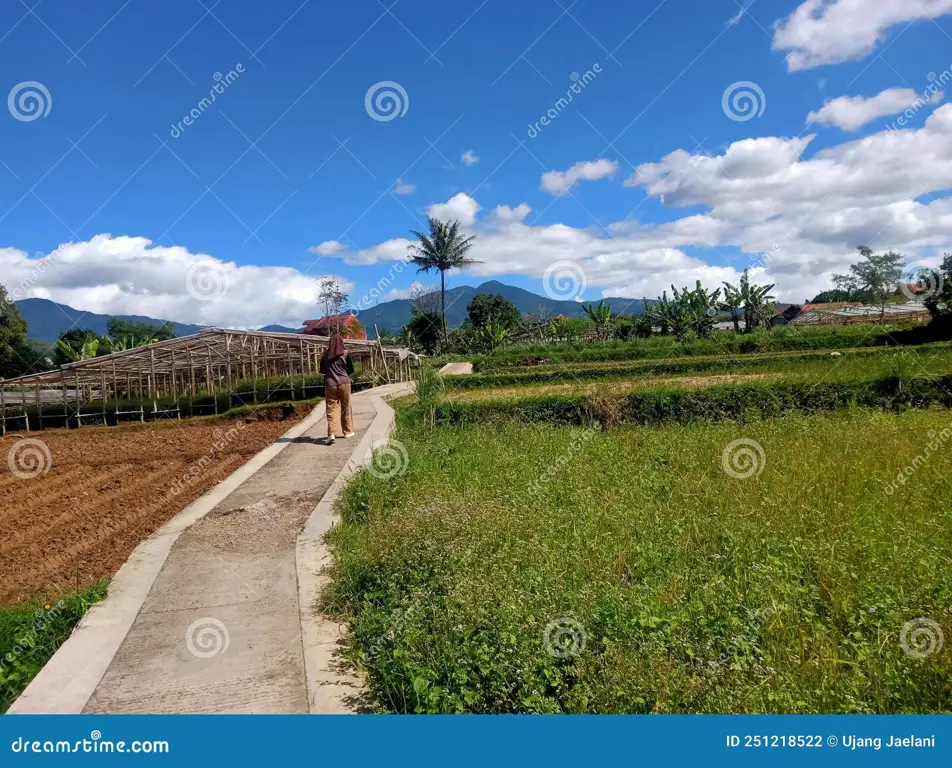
220,630
457,369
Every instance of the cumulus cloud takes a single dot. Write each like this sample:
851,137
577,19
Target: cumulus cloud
469,158
506,215
131,275
560,182
460,207
390,250
402,188
832,31
853,112
795,219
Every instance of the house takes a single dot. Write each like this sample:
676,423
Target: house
347,324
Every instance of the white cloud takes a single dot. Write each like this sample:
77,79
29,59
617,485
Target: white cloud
760,196
403,293
461,207
328,248
130,275
853,112
506,215
832,31
402,188
391,250
560,182
469,158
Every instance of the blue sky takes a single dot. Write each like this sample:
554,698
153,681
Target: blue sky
287,157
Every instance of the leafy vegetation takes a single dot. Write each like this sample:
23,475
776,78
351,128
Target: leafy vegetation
682,589
30,633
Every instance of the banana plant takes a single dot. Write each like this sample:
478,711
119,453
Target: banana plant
756,300
88,350
602,317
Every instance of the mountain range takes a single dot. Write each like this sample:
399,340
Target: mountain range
48,320
393,315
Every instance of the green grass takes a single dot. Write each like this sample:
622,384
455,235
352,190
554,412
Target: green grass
31,632
696,591
936,357
790,338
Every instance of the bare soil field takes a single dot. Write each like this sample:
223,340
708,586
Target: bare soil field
104,490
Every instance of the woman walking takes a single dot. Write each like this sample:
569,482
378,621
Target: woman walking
337,366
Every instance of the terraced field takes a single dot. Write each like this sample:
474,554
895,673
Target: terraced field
83,500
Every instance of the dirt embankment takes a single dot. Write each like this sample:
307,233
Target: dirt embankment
106,489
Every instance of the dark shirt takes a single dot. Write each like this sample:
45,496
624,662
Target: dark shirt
336,370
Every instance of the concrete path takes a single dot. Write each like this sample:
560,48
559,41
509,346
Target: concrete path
220,630
456,369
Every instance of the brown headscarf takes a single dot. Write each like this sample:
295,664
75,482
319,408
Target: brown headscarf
335,347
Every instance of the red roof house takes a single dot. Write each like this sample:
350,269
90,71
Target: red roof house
348,325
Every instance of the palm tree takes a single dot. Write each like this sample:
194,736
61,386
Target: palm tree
443,249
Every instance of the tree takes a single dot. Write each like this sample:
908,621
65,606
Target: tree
601,316
756,300
834,295
331,299
443,249
486,309
135,333
939,290
878,274
71,347
492,335
12,337
696,309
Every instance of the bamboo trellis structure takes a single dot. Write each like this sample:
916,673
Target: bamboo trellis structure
214,360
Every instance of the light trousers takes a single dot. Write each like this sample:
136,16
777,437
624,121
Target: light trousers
338,409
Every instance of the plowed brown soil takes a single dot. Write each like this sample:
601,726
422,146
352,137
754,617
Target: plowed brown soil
106,489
